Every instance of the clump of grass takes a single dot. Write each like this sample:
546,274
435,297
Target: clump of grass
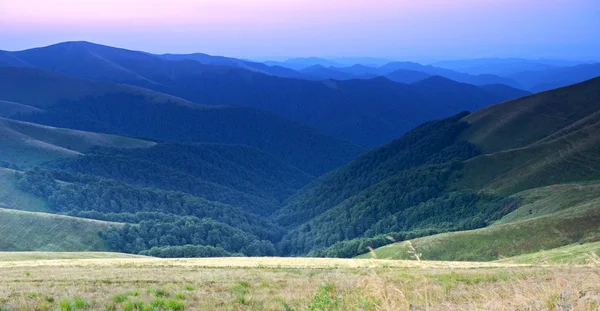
80,303
120,298
65,304
27,273
190,288
49,299
134,306
111,307
240,291
175,305
180,296
159,303
325,299
32,295
159,292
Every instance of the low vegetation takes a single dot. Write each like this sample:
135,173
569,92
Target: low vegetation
548,218
578,254
30,231
293,284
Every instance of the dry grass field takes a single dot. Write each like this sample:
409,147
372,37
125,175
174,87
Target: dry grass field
103,283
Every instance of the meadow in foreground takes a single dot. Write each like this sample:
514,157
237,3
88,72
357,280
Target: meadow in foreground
292,284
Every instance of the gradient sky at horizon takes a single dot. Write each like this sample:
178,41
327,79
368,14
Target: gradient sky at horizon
393,29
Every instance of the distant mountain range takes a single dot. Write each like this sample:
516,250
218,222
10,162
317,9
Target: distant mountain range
532,75
367,112
504,66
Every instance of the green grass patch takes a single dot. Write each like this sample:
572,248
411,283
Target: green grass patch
14,198
28,231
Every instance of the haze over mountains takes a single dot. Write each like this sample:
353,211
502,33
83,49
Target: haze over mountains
218,156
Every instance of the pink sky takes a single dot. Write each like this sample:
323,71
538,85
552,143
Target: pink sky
385,28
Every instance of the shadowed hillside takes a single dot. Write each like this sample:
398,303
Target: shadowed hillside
552,137
126,110
26,144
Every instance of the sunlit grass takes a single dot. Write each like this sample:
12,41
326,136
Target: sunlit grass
293,284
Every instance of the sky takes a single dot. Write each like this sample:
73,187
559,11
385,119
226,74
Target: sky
259,29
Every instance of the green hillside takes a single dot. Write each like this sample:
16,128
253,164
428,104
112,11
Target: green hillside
29,231
546,219
579,254
549,138
404,186
497,156
12,197
26,144
531,119
232,174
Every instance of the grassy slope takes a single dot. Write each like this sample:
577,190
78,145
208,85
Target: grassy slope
544,148
579,254
539,140
524,121
13,198
28,144
29,231
561,220
8,108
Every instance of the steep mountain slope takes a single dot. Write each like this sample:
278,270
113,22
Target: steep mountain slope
540,140
405,186
543,139
126,110
366,112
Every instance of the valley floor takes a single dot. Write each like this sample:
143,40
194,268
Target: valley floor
103,282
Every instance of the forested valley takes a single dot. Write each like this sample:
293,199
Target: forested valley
187,200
